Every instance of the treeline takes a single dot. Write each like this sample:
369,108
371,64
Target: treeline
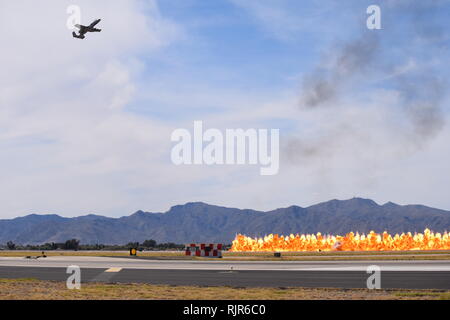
74,244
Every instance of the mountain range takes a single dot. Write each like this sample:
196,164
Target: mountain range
201,222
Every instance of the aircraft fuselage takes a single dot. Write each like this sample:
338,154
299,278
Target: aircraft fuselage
85,29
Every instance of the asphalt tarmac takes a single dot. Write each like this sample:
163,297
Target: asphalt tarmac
431,274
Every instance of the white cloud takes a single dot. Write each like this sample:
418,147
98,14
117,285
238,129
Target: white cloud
67,141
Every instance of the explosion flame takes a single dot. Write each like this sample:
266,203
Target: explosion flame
350,242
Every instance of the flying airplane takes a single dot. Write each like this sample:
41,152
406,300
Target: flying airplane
86,29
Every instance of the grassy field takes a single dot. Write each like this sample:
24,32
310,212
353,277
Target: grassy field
31,289
58,253
237,256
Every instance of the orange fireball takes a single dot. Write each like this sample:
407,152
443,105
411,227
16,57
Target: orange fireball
350,242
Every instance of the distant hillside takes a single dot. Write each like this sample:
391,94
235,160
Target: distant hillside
197,222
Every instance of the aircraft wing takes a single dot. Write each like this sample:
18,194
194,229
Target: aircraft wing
95,30
93,24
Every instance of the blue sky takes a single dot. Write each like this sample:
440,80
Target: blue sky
86,125
228,45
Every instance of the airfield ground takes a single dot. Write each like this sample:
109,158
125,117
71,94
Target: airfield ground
32,289
242,276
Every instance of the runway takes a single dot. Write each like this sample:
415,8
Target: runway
431,274
223,265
